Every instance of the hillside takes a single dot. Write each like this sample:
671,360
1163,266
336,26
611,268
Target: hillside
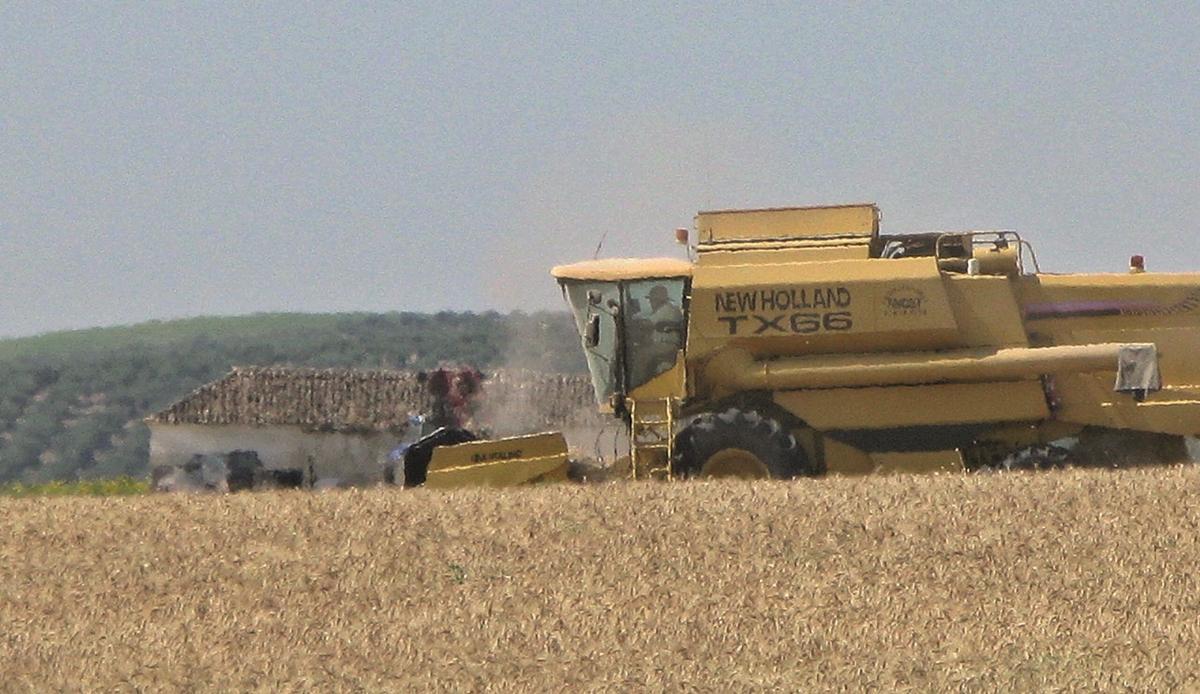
71,403
1076,580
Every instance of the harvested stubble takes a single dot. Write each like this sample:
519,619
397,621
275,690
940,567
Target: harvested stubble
1080,579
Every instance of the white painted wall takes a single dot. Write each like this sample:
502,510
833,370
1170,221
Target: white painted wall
353,459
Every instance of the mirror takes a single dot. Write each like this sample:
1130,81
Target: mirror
591,335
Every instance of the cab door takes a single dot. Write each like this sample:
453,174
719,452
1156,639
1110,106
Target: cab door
596,307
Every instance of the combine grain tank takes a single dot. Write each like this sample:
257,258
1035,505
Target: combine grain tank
800,341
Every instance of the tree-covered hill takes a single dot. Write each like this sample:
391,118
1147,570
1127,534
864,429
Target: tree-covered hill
71,403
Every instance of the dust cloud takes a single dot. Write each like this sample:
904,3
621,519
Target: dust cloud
543,387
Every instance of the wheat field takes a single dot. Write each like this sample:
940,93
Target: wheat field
1066,580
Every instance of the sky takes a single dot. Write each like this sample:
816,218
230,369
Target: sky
165,160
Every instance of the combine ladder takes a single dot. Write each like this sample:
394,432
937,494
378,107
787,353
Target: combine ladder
651,437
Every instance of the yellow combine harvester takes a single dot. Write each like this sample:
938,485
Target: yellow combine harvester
800,341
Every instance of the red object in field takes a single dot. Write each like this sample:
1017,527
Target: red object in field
439,383
454,393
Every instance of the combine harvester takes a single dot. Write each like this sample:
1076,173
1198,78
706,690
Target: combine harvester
801,342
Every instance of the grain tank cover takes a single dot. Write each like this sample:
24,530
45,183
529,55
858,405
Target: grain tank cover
858,222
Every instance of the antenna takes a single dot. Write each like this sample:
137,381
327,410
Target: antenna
601,244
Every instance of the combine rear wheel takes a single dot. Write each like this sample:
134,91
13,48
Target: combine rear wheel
1039,457
1114,448
737,443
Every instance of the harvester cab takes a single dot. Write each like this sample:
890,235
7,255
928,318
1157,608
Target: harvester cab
801,341
631,314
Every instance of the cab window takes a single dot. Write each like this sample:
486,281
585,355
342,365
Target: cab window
653,323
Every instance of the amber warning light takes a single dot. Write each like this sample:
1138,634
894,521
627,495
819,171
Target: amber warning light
681,236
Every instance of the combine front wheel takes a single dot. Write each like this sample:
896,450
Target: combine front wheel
737,443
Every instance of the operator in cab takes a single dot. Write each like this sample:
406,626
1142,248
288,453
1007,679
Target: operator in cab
655,334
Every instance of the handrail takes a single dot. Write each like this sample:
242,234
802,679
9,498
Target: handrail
975,238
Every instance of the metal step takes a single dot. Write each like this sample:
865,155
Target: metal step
652,433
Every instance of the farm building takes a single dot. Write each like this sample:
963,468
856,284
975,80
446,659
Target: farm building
340,424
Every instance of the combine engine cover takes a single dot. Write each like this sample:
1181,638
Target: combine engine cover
778,308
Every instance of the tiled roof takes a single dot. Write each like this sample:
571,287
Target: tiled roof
379,400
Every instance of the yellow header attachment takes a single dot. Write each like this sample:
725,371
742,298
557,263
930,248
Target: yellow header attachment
787,234
500,462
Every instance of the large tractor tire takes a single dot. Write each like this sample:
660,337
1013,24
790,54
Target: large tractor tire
1115,448
739,443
